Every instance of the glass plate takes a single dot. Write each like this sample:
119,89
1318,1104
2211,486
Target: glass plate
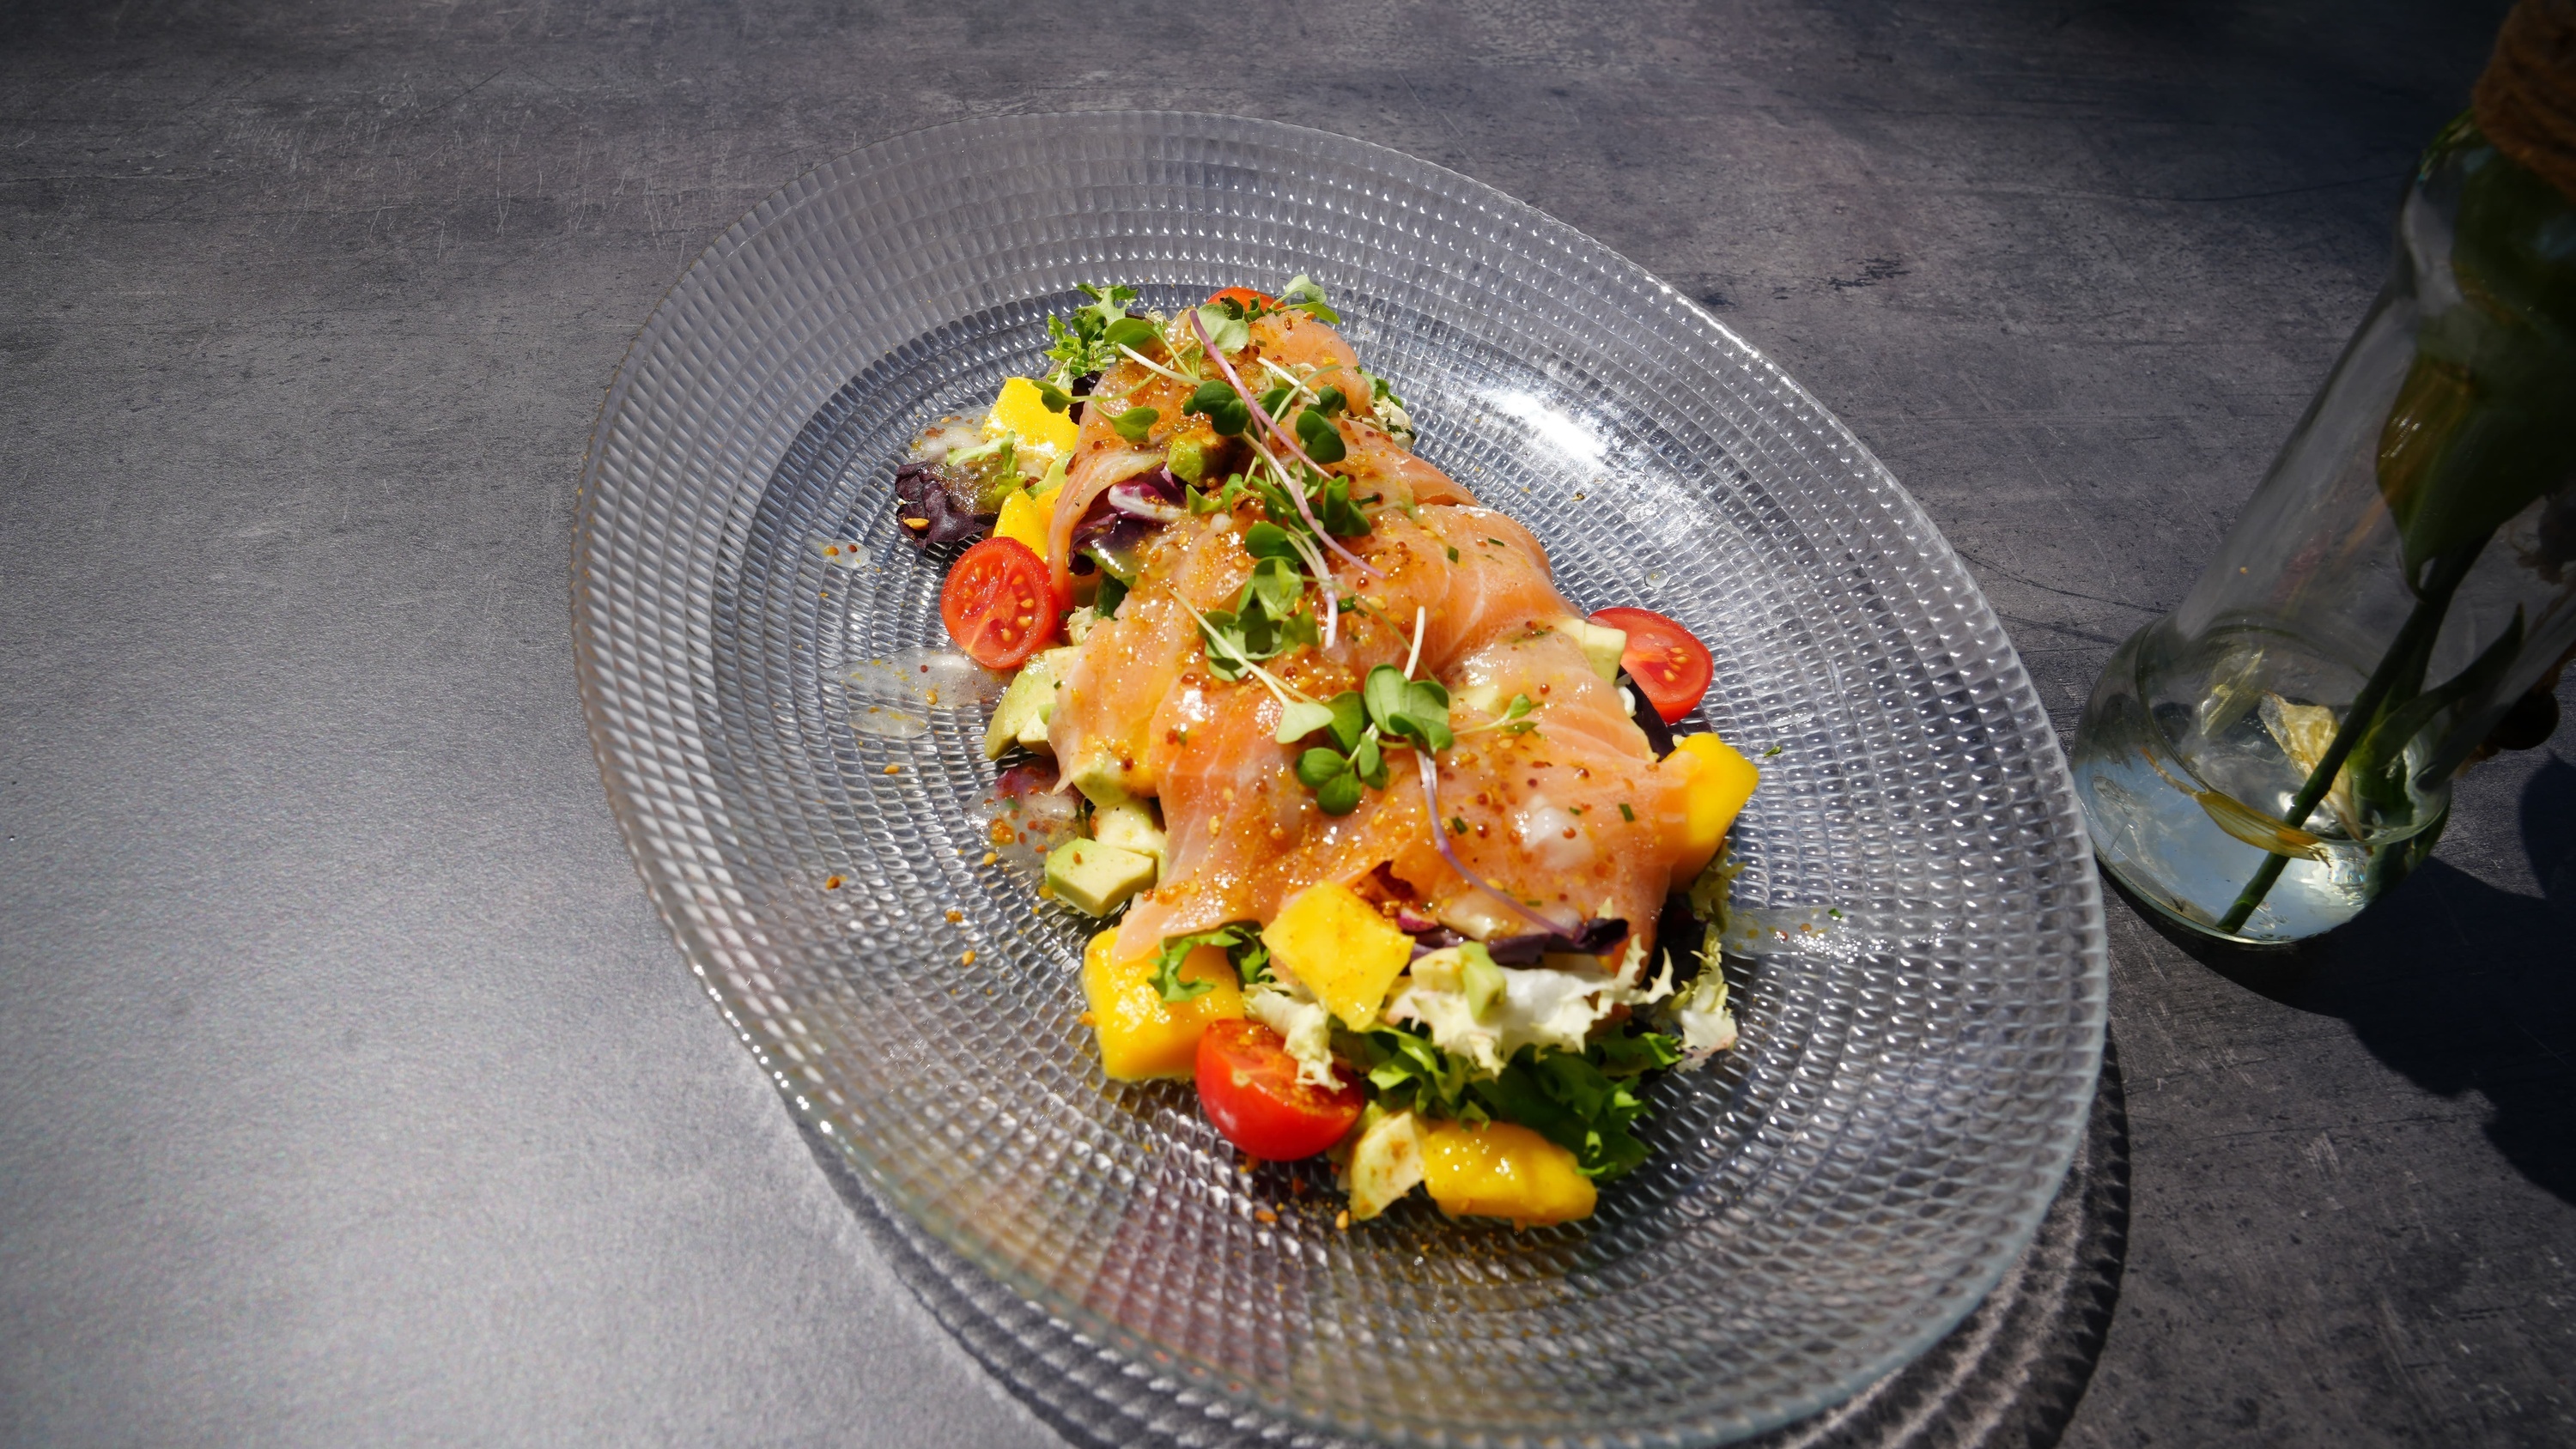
1920,973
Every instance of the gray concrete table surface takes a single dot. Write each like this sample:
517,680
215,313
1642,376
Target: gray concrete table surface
349,1091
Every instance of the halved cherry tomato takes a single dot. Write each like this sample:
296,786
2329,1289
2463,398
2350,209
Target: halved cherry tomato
1670,665
999,603
1248,1087
1245,295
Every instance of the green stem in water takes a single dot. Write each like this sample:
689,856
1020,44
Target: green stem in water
2406,653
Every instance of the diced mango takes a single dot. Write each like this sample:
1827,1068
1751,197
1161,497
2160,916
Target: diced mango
1337,946
1503,1170
1022,409
1719,783
1026,514
1142,1035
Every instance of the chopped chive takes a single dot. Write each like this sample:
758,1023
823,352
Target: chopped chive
1766,754
1453,553
1627,814
1457,825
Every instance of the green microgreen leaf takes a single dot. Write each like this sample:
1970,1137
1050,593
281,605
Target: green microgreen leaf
1416,710
1302,718
1136,333
1276,398
1329,775
1315,432
1275,585
1369,762
1227,333
1268,541
1056,398
1303,294
1222,406
1335,510
1225,650
1113,592
1350,717
1330,401
1135,424
1383,693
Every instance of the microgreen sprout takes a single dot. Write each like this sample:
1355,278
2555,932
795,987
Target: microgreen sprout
1136,424
1226,638
1303,294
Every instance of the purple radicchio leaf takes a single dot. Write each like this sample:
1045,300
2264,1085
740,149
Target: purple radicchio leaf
1589,939
923,495
1139,498
1110,532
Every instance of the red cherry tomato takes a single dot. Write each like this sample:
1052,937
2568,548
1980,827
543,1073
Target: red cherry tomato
1244,295
1669,664
999,603
1248,1087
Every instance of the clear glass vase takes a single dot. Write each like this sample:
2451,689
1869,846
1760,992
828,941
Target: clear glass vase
2278,752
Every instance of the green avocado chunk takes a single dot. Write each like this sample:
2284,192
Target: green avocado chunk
1129,825
1602,645
1096,878
1021,717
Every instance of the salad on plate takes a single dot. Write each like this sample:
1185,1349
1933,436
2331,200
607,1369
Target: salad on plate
1397,856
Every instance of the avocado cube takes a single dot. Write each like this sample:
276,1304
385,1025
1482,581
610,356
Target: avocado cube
1021,717
1602,645
1129,825
1101,779
1096,878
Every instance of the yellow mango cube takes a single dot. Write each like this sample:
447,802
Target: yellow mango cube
1503,1170
1337,946
1141,1035
1026,515
1719,782
1022,409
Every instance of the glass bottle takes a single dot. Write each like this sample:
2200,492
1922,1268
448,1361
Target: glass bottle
2276,753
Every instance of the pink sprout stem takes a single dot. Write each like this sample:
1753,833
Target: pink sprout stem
1296,493
1440,840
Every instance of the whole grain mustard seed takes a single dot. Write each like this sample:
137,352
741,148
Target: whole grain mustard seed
966,960
1087,1019
1266,1216
954,916
832,882
894,769
989,858
1342,1220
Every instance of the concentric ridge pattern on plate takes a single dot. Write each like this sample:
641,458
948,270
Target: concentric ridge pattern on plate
1828,1200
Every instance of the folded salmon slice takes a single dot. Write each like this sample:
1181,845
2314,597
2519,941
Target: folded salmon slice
1572,816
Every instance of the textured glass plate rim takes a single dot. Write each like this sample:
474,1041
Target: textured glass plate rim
667,887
